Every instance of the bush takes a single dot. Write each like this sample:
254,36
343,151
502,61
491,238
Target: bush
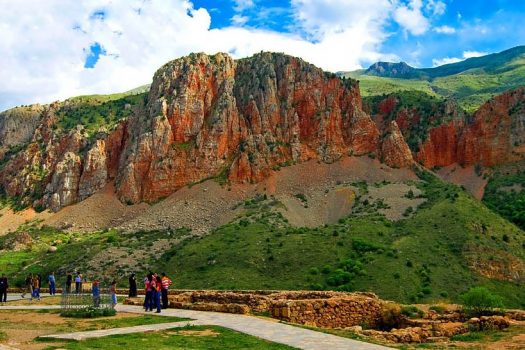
479,301
390,316
88,312
412,311
440,309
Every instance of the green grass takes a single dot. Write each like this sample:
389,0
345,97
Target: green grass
174,339
470,82
135,321
505,194
424,258
97,111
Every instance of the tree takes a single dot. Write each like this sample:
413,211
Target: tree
479,301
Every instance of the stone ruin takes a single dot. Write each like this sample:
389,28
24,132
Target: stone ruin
362,313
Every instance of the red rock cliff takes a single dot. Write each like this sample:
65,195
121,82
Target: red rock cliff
205,116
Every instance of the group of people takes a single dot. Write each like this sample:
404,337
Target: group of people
33,283
155,287
156,290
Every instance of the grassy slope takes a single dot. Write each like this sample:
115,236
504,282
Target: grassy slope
97,111
422,258
261,255
505,194
471,87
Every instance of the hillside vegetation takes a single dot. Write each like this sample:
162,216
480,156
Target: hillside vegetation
470,82
428,256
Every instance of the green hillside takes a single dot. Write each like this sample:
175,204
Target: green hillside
470,82
423,258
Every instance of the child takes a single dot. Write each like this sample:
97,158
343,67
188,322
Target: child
113,292
95,290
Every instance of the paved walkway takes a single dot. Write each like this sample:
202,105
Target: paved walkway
259,327
116,331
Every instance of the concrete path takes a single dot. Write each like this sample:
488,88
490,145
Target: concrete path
117,331
267,329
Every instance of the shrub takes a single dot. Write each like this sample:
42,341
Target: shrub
88,312
479,301
412,311
390,316
440,309
313,271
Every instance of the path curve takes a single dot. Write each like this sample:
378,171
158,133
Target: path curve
267,329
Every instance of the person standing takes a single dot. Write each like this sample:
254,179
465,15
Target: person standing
148,300
166,283
78,283
36,286
113,291
52,283
3,289
28,287
132,286
95,290
69,280
158,288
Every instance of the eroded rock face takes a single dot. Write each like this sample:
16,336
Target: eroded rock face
17,126
394,150
445,135
496,133
213,116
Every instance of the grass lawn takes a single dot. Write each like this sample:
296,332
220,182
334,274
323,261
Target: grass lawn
194,337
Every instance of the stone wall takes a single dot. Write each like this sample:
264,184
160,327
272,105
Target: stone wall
336,312
321,309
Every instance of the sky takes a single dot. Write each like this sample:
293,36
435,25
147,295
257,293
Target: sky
54,49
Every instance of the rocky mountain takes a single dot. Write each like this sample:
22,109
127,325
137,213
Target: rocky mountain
394,70
440,133
470,82
204,116
237,121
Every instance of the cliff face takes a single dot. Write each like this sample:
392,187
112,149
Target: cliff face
445,135
211,116
205,116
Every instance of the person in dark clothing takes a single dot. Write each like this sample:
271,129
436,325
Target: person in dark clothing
3,289
69,280
78,283
28,287
132,286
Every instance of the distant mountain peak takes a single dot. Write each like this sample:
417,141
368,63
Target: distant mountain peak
393,70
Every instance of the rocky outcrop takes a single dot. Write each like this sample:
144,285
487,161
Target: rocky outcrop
212,116
440,134
17,127
496,133
394,150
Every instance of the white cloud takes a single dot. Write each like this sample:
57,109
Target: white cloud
241,5
43,55
239,20
445,29
466,54
411,18
469,54
445,60
437,8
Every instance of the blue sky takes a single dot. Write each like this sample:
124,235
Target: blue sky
456,27
55,49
